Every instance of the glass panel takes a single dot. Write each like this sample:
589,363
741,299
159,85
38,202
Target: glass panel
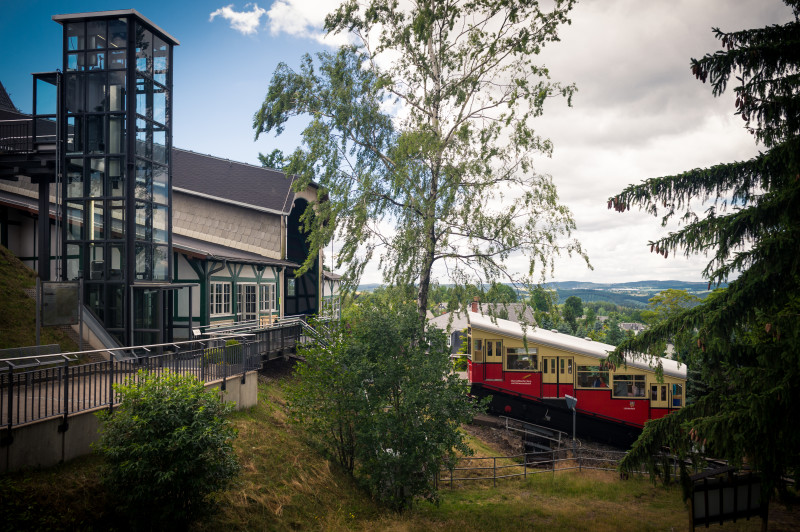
116,91
116,134
114,298
144,97
97,267
75,178
144,261
96,34
159,104
592,377
96,61
95,299
75,61
117,33
160,60
117,58
74,221
115,261
160,178
160,219
160,146
144,180
96,226
95,134
143,220
96,93
144,138
74,92
73,261
144,50
116,180
76,32
75,134
160,263
117,220
97,171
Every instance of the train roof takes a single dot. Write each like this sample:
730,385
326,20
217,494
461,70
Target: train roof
568,343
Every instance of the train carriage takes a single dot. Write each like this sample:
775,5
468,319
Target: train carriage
528,372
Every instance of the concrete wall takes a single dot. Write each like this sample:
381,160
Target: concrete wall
40,444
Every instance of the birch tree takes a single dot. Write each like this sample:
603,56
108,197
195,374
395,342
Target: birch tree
421,135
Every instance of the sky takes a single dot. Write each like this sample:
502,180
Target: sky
638,112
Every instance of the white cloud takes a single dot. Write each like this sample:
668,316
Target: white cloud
304,18
245,22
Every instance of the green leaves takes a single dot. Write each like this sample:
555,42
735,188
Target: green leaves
422,141
167,448
750,228
380,397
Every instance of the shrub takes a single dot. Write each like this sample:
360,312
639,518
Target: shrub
167,448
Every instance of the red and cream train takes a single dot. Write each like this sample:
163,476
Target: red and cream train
529,371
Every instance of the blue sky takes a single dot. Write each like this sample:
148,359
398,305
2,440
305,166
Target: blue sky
638,112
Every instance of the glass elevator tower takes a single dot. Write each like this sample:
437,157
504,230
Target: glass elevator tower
116,136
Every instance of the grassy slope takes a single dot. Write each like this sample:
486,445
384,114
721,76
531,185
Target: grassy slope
18,311
286,485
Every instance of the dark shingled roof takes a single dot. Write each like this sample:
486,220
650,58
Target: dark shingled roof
5,100
241,183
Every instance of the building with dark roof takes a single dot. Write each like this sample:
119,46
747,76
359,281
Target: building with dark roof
164,240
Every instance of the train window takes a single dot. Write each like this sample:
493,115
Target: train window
664,392
677,395
654,393
521,359
629,386
489,346
592,377
552,365
569,366
562,365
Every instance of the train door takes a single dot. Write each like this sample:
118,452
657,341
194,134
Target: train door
477,358
658,396
557,376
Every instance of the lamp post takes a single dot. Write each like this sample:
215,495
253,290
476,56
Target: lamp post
571,403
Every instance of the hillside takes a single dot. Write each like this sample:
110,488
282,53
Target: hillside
18,311
287,485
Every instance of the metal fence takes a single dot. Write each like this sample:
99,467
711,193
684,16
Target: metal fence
36,388
495,468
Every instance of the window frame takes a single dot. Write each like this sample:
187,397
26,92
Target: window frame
631,379
510,352
220,299
266,298
595,372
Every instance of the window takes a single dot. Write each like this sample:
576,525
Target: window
521,359
494,350
677,395
266,300
290,288
489,350
220,298
629,386
592,377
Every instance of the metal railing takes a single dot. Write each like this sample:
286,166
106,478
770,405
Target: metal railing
49,386
495,468
16,136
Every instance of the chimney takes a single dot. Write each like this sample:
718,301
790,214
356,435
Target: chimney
475,304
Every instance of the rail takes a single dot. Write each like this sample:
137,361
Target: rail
16,136
496,468
49,386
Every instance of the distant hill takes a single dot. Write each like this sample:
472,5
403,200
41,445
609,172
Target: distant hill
634,294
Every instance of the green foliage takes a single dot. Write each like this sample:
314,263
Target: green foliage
573,309
167,447
382,397
747,334
464,89
501,293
